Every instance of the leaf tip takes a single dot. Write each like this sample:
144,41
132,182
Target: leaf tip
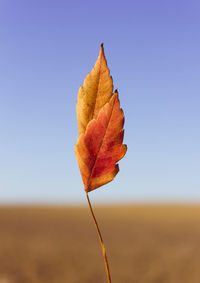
102,50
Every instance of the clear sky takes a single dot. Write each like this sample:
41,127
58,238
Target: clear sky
153,52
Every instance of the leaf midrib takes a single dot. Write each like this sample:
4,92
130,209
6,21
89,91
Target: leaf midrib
89,178
99,80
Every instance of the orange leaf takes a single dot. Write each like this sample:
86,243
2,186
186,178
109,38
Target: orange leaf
100,147
95,92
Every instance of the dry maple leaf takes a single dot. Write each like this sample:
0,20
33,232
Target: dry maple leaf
100,124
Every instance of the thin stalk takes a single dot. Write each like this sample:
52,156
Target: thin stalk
101,241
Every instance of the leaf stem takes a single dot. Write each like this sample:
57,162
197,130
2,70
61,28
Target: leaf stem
101,241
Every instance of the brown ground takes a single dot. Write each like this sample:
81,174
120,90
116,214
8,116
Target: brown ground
146,244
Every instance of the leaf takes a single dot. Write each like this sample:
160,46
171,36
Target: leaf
95,92
100,147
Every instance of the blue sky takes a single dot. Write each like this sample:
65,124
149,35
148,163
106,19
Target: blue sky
153,52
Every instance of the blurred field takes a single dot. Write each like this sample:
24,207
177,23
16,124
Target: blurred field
145,244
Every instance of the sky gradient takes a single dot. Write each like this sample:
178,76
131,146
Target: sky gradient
153,53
